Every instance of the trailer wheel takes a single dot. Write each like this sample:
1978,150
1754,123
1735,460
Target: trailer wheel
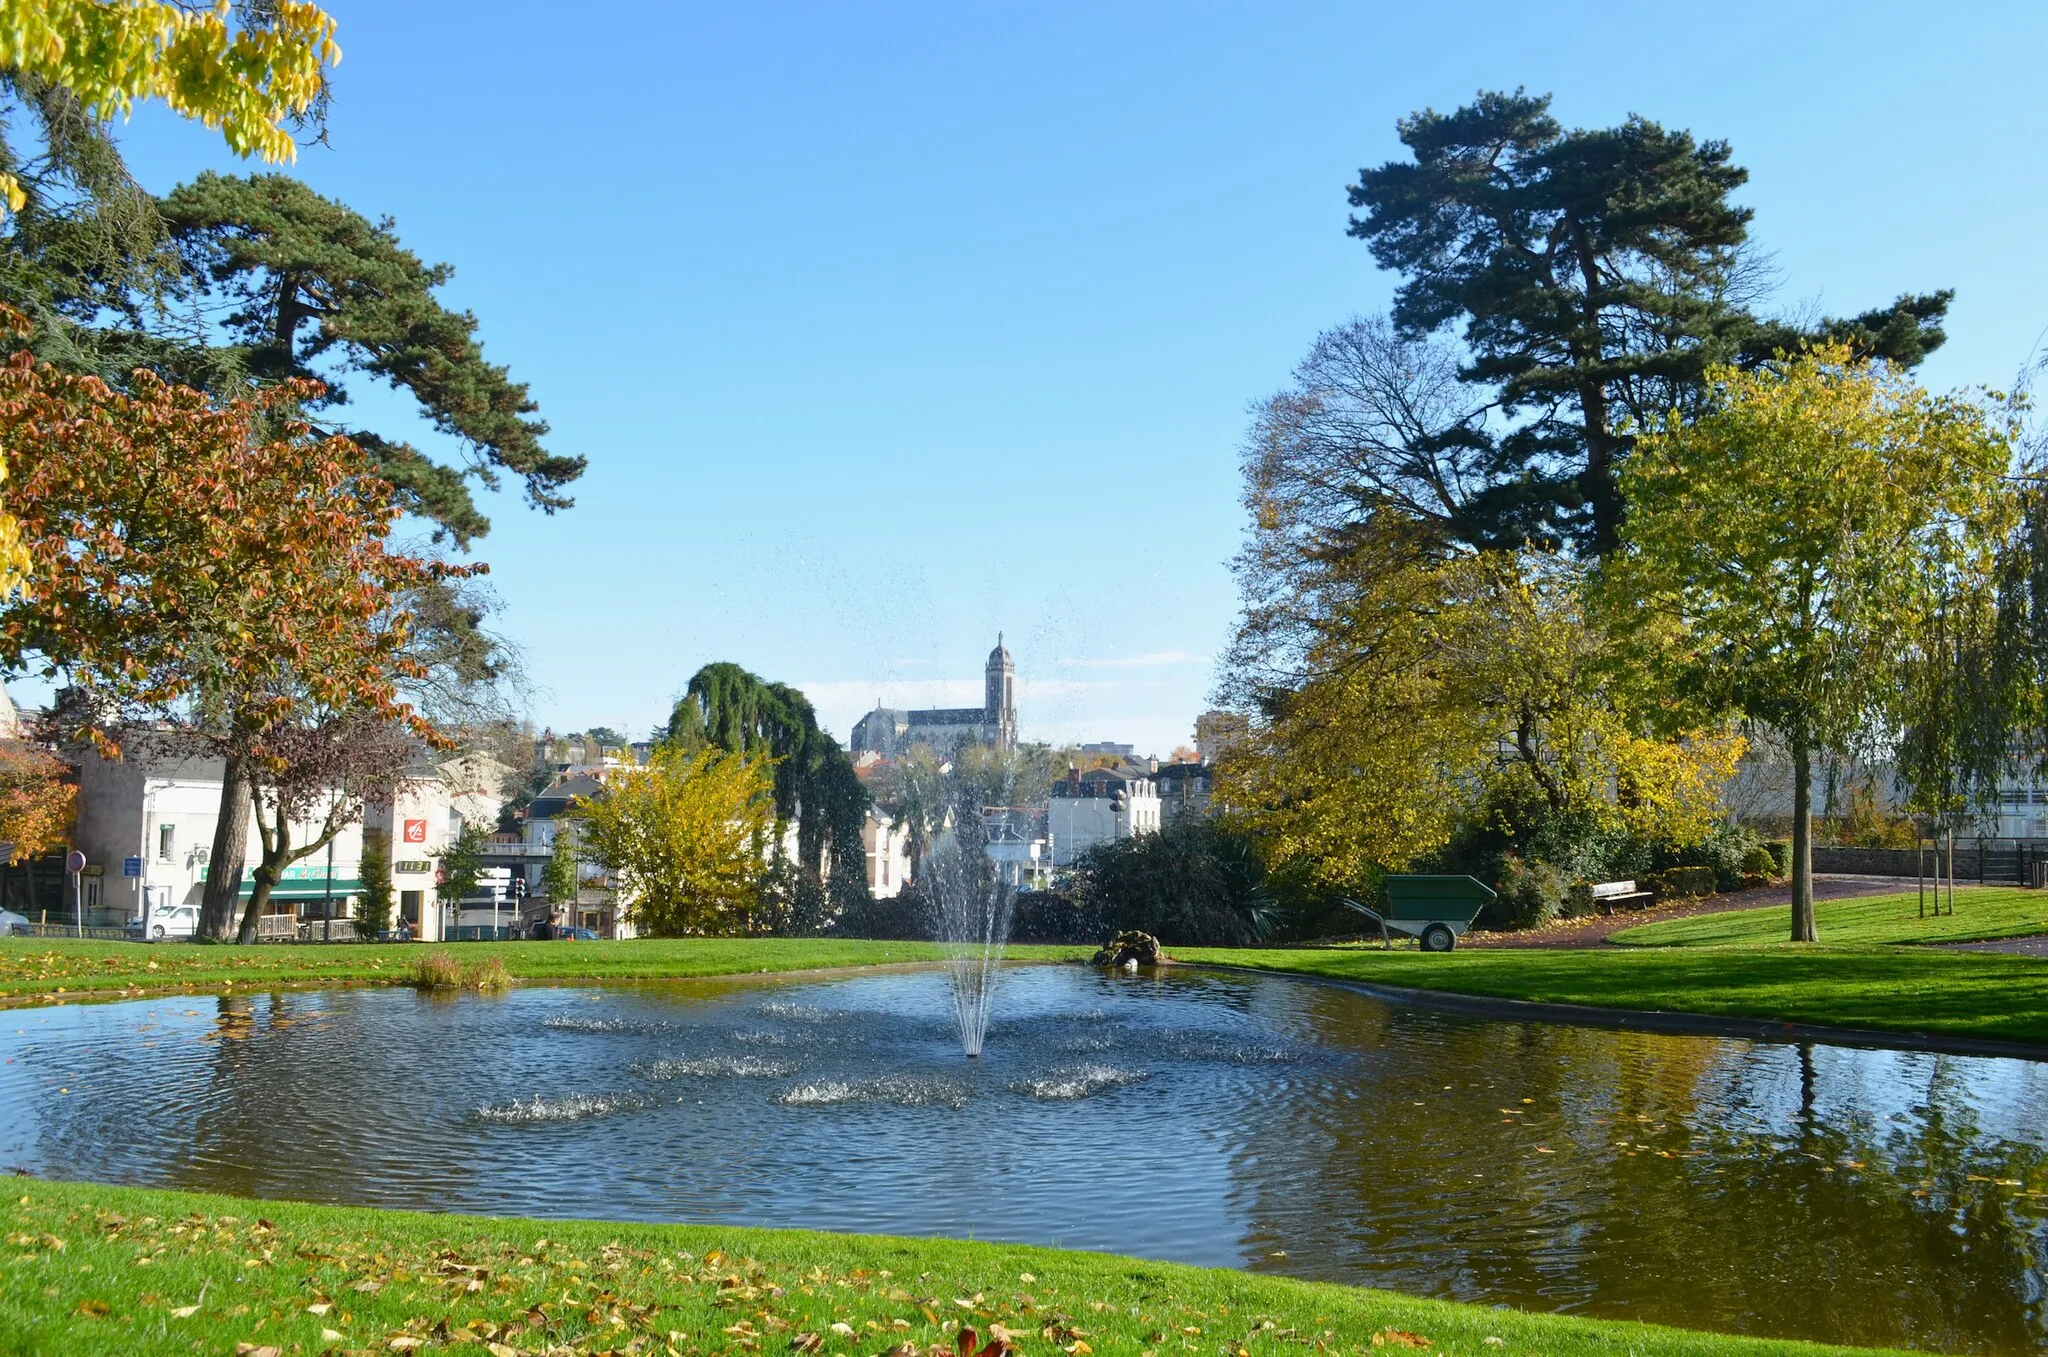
1438,938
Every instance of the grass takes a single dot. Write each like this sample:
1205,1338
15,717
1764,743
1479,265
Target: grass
1899,989
41,968
87,1269
1982,912
1884,988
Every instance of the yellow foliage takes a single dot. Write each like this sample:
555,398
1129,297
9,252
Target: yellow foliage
1443,680
685,838
244,81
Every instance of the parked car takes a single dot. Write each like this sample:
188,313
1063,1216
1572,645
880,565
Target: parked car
165,923
9,921
577,934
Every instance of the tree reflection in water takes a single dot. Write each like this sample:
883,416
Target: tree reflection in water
1848,1195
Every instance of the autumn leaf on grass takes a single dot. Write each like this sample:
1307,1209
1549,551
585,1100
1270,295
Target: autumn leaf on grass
92,1309
1399,1338
806,1342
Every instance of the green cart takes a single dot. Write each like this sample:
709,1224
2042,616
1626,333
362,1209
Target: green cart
1434,909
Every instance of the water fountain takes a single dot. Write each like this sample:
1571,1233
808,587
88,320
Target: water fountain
972,919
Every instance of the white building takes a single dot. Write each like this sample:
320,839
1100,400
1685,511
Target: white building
886,844
1098,806
146,826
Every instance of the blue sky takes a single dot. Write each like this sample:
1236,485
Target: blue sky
886,327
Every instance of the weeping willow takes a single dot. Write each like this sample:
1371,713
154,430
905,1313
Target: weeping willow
815,787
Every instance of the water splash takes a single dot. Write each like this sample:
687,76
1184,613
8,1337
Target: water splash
973,918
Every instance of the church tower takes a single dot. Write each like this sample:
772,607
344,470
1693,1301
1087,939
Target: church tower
999,699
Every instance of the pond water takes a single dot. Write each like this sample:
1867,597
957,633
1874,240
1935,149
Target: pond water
1804,1191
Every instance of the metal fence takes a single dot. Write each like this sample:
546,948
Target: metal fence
2015,862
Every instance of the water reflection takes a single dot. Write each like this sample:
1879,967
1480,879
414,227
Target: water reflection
1847,1195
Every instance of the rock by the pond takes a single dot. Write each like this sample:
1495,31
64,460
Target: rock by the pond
1130,948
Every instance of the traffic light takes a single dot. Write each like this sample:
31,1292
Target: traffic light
1116,801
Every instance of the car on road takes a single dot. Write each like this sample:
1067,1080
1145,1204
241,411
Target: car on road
9,921
577,934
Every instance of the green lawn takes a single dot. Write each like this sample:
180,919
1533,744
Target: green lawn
88,1269
51,967
1912,989
1982,912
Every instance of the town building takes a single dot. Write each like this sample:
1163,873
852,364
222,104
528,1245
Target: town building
146,825
891,733
886,843
1183,791
1099,806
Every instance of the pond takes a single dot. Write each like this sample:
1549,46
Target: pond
1849,1195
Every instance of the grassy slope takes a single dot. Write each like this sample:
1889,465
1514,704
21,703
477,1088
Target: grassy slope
88,1269
1981,912
1887,988
39,966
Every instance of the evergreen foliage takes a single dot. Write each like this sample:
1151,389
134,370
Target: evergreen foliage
373,905
318,290
1596,275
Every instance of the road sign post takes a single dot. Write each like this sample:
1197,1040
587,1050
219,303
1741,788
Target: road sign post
74,863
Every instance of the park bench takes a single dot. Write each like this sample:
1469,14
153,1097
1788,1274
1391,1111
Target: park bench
1609,896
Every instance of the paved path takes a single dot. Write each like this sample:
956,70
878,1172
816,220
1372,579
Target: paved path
2034,946
1596,929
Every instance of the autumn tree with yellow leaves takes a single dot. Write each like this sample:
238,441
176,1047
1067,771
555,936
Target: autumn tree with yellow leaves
1801,540
684,839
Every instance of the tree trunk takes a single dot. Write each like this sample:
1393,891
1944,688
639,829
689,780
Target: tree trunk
259,899
1802,842
230,844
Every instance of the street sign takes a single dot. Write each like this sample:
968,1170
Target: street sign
495,874
74,862
131,866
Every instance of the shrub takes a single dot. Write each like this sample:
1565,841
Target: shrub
1680,883
1726,851
1578,900
1530,893
1194,883
488,976
436,970
1760,861
1781,855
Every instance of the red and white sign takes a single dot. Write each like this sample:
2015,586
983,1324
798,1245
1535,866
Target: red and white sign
415,831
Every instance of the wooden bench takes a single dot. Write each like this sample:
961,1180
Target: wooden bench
1609,896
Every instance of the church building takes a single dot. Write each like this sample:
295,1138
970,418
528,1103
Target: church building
890,733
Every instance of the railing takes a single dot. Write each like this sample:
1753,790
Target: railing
69,931
517,850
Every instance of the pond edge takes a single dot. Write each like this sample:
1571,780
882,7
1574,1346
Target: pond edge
1775,1031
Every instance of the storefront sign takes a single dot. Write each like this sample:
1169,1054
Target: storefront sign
415,831
420,868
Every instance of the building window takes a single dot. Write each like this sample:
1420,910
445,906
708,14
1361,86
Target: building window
166,840
885,871
409,906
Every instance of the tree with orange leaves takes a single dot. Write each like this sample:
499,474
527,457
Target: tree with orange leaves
220,569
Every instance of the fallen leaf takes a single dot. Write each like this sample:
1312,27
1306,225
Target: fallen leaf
185,1312
319,1309
844,1330
92,1308
405,1342
254,1350
330,1335
806,1342
1401,1338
